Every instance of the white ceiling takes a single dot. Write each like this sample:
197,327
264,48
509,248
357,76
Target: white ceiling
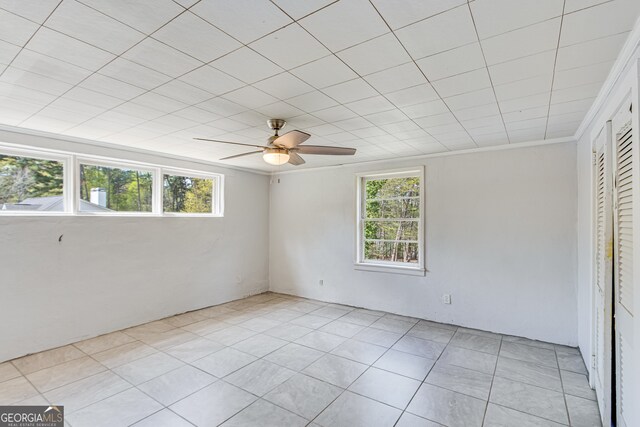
391,78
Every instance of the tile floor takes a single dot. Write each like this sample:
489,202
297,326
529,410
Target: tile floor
278,360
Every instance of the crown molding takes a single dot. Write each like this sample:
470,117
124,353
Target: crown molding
617,71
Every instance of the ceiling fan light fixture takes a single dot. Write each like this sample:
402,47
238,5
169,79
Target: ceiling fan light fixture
276,156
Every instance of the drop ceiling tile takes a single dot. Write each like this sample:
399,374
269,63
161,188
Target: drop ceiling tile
522,42
65,48
250,118
18,112
350,91
448,30
521,88
599,21
15,29
413,10
173,123
462,83
396,78
493,17
591,52
481,125
8,51
537,123
324,130
441,132
283,86
247,65
406,129
312,101
354,124
477,112
345,23
573,5
412,95
335,114
139,111
119,119
386,117
375,55
145,16
280,109
109,86
471,99
92,98
523,68
452,62
435,120
581,106
34,10
211,80
228,125
162,58
30,95
324,72
595,73
558,121
134,74
222,107
158,102
89,25
19,78
49,67
246,20
530,101
297,9
526,114
304,121
196,37
575,93
371,105
197,114
250,97
183,92
498,138
290,47
526,135
46,123
430,108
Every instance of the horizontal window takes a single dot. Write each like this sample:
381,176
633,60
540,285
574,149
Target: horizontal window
30,184
47,182
110,189
188,195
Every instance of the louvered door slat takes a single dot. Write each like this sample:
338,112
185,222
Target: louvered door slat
624,217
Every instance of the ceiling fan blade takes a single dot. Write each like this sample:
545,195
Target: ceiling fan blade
319,149
240,155
229,142
295,159
292,139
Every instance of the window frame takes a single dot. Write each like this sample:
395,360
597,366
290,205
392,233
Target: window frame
360,263
216,189
67,165
116,164
71,183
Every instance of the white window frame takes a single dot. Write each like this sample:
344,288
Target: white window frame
67,166
387,266
217,189
71,183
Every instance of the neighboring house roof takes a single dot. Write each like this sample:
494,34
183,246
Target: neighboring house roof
49,204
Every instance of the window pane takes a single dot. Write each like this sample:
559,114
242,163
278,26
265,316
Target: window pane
28,184
391,230
111,189
398,208
391,251
392,187
184,194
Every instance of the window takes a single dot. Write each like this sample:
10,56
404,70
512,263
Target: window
108,189
31,185
189,194
390,225
37,181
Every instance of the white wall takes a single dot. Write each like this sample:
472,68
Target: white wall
112,273
501,239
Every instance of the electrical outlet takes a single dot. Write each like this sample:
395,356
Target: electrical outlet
446,298
321,282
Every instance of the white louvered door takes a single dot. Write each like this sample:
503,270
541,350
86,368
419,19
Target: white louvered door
603,258
624,189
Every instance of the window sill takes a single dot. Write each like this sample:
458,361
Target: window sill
392,269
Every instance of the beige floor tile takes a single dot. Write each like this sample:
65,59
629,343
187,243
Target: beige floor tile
87,391
104,342
124,354
177,384
147,368
123,409
15,390
47,359
8,371
65,373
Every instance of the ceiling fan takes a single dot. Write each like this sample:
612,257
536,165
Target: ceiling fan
286,148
